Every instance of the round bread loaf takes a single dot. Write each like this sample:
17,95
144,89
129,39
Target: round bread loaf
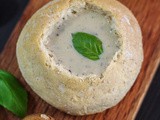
76,92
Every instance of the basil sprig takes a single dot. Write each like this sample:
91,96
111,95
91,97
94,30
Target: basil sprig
87,45
12,95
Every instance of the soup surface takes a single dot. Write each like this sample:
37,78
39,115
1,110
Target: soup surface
88,21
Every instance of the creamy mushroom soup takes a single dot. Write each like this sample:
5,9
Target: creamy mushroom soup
93,22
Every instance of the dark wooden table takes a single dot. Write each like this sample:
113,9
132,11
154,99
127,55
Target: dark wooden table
148,14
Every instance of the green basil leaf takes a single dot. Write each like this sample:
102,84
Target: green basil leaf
12,95
87,45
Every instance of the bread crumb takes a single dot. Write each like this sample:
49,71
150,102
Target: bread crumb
45,117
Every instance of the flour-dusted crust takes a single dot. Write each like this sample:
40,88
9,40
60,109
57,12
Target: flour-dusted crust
67,92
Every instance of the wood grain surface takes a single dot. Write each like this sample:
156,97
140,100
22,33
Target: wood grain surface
148,14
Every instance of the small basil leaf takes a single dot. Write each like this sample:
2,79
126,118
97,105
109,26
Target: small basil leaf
87,45
12,95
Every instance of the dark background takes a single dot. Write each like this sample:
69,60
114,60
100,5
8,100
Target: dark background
10,12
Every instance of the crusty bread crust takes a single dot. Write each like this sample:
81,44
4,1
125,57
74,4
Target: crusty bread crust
69,93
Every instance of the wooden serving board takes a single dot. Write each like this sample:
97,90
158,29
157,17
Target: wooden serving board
148,14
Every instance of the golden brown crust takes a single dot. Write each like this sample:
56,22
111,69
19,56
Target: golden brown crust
80,96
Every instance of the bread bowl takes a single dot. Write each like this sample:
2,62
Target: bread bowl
71,90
